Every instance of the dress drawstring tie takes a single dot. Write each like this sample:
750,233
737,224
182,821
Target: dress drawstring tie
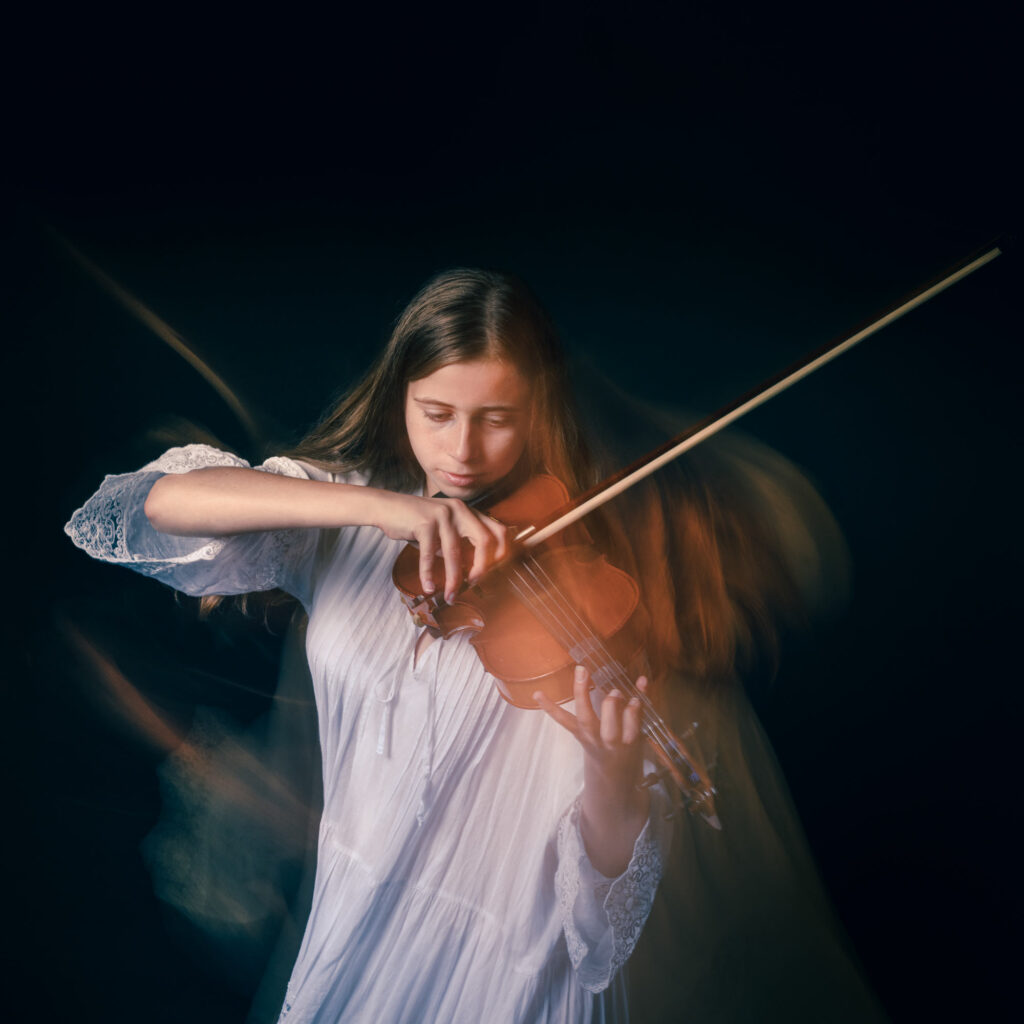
386,697
427,763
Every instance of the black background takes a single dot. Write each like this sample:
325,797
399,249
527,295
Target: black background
698,199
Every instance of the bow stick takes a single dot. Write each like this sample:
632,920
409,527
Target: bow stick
717,421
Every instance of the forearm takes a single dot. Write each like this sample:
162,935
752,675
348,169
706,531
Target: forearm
611,818
218,501
602,916
613,810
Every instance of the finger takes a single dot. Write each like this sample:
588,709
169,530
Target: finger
564,718
500,533
632,716
581,697
425,542
611,719
490,542
484,548
451,551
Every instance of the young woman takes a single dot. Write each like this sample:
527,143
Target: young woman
476,861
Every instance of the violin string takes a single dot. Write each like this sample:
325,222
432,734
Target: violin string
652,724
543,597
541,594
585,636
539,598
583,633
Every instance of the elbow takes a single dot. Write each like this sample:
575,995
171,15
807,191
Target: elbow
156,506
176,505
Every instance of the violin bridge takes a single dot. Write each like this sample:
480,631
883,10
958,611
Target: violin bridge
653,779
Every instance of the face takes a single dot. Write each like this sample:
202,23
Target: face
468,424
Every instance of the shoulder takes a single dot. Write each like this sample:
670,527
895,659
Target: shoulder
184,458
284,465
187,457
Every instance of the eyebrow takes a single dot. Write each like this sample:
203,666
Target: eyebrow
483,408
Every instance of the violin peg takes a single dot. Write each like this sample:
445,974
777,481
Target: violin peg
652,779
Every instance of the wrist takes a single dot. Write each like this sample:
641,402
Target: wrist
615,809
611,819
381,509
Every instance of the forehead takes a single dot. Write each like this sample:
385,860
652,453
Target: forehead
480,382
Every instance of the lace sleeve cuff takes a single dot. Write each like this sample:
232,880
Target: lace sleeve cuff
112,526
602,917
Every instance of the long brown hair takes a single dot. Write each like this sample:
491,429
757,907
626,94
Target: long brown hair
459,316
731,545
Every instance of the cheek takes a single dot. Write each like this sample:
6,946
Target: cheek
416,435
510,447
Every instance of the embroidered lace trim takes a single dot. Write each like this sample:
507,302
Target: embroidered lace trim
106,525
626,901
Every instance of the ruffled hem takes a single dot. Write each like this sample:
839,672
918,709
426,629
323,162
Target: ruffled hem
603,917
112,527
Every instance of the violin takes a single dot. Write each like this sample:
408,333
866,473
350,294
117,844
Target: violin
536,615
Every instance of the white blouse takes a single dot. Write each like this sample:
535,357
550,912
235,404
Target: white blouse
451,881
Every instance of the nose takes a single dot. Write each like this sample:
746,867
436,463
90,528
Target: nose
466,443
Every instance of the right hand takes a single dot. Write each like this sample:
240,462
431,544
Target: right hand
439,526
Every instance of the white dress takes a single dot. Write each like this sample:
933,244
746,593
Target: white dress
451,881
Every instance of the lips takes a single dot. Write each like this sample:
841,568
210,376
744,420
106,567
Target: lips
460,479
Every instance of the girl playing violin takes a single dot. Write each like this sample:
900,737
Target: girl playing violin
475,862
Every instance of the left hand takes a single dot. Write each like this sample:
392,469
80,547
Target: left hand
614,809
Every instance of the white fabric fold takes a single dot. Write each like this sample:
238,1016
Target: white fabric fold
427,764
386,696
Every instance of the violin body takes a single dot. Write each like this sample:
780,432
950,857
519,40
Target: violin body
512,645
525,659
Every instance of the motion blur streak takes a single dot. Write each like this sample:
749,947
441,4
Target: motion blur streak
165,332
251,787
